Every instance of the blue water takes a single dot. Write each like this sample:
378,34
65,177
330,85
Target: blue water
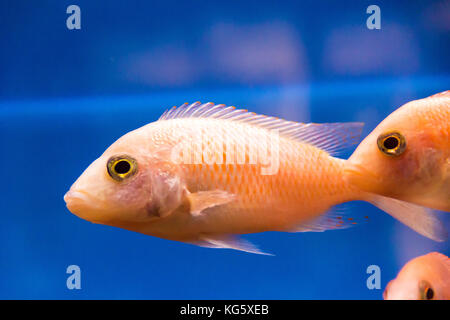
66,95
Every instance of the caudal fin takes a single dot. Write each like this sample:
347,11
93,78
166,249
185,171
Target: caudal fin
420,219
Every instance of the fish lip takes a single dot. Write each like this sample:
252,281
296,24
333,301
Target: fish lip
76,199
72,195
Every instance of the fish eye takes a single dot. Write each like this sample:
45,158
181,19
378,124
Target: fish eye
426,291
121,167
429,294
391,143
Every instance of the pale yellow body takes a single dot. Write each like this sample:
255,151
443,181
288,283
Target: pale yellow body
307,183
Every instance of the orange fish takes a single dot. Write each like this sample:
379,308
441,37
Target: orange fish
407,156
204,173
423,278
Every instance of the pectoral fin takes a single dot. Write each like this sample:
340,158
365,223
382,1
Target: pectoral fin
420,219
202,200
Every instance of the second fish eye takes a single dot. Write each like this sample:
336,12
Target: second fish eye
426,291
121,167
429,294
391,143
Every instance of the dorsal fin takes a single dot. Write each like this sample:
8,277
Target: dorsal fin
331,137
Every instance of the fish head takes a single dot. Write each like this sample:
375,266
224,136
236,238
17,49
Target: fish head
119,186
403,157
401,290
422,278
410,289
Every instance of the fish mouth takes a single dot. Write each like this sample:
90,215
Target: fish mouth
75,195
79,202
86,206
355,169
361,177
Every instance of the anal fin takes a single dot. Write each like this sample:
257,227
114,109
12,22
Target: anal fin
335,218
229,242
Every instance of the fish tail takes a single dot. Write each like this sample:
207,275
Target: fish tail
418,218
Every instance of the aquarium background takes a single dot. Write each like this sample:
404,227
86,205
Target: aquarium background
65,95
